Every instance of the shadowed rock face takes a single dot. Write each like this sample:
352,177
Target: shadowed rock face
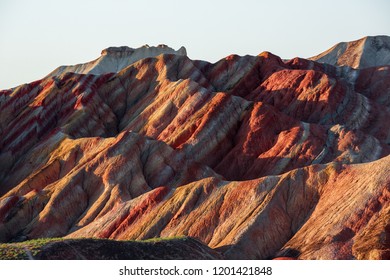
99,249
255,157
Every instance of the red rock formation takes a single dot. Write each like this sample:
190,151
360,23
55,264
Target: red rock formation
169,146
256,218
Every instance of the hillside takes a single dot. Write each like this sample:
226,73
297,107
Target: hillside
255,157
370,51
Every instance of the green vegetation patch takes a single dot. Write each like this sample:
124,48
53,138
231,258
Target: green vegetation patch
33,249
159,239
24,250
11,252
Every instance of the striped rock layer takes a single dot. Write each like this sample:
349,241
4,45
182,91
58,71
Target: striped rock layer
255,157
366,52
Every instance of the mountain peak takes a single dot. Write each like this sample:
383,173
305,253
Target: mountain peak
117,50
125,50
114,59
369,51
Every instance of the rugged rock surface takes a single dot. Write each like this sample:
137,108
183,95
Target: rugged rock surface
114,59
256,218
370,51
250,155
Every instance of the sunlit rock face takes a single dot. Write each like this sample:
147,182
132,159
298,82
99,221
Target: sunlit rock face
370,51
114,59
254,156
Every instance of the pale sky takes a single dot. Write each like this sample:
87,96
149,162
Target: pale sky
36,36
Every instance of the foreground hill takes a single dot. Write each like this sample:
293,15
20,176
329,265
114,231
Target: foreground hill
253,156
183,248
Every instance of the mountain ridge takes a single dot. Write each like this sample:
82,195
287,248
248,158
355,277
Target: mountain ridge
114,59
248,155
370,51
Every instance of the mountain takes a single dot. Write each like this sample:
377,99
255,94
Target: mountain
370,51
114,59
254,157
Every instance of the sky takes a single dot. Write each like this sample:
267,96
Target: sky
37,36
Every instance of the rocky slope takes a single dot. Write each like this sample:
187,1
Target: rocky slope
114,59
370,51
255,157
